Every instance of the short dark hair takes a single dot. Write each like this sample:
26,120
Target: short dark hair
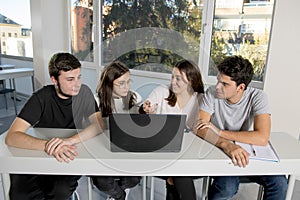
62,62
239,69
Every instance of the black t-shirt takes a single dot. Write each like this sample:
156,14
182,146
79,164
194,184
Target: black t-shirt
46,110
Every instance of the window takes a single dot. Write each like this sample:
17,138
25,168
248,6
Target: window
241,28
14,19
153,35
82,29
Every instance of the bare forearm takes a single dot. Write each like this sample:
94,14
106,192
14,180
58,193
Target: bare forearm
250,137
87,133
212,138
238,155
22,140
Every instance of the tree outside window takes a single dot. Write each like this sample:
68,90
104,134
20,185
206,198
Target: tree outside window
151,35
241,28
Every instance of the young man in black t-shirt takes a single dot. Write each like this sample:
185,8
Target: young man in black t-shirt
65,104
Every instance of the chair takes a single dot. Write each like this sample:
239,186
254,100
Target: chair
203,192
298,176
90,188
4,90
260,189
5,184
75,196
243,180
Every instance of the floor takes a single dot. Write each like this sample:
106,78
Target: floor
246,191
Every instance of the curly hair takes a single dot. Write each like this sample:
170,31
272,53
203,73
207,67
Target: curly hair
239,69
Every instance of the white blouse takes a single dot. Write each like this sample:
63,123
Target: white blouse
119,107
191,109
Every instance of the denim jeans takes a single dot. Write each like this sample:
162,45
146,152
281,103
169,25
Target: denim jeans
225,187
115,186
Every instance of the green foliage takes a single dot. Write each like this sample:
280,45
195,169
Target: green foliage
217,54
177,15
255,51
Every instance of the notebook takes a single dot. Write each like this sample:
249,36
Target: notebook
266,153
146,132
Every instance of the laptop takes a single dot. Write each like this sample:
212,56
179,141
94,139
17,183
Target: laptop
146,132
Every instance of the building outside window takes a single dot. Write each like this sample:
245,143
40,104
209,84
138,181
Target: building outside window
82,29
241,28
17,44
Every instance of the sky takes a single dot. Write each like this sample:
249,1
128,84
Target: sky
17,10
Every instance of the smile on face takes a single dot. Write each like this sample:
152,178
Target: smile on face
179,81
121,85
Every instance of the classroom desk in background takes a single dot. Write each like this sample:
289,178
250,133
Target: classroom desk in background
12,74
197,158
6,66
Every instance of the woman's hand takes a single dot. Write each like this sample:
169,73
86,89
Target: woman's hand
148,108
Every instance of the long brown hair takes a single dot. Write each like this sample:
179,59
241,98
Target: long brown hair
193,75
105,88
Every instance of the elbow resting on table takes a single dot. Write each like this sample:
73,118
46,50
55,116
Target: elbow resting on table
262,141
11,139
8,140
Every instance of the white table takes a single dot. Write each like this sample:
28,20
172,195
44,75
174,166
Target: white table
6,66
11,74
197,158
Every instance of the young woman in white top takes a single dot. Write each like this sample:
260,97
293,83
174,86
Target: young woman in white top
114,95
113,91
183,96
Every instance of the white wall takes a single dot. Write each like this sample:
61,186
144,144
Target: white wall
283,74
49,24
49,33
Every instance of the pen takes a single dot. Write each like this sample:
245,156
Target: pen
253,150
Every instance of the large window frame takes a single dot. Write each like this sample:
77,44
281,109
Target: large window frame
205,44
19,41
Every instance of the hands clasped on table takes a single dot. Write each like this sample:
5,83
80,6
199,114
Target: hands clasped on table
61,149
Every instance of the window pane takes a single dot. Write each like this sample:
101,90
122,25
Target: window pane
242,27
82,29
14,20
151,34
